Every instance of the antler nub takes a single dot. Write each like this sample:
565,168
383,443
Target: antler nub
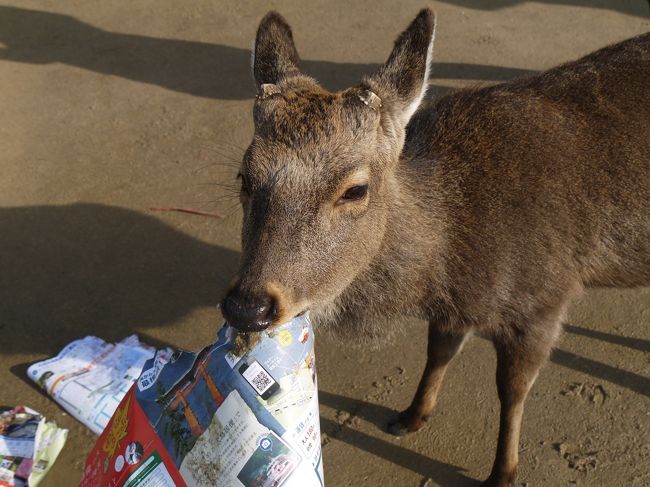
268,89
371,99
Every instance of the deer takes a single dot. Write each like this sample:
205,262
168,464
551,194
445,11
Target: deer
485,211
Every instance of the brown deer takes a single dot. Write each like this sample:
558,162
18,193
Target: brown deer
487,210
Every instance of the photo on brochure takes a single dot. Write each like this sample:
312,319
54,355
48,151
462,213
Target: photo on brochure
270,464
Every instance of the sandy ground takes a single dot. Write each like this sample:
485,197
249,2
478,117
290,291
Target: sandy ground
110,108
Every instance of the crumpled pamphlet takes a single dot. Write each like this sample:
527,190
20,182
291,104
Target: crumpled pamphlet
29,445
89,377
222,417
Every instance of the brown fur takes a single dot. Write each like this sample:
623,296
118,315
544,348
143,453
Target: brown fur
487,210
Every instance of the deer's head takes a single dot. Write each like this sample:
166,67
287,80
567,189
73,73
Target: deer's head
319,178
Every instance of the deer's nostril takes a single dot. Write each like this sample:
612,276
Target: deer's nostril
249,312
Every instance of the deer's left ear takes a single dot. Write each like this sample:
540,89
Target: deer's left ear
402,81
275,57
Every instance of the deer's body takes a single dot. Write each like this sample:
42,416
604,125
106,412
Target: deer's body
487,210
516,196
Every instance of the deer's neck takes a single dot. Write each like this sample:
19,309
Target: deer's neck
414,246
406,275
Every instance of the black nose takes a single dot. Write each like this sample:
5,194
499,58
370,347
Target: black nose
248,311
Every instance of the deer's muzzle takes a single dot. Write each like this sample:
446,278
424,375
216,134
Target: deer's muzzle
247,311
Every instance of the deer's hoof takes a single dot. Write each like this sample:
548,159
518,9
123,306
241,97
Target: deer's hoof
396,428
405,423
500,480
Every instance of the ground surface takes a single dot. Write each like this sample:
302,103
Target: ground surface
108,109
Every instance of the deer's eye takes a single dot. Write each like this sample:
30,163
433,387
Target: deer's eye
354,193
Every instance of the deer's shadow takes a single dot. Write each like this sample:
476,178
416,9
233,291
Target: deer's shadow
74,270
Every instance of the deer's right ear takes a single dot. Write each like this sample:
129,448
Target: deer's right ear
402,81
274,56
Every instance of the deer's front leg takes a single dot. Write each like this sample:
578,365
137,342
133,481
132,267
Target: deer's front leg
442,347
518,362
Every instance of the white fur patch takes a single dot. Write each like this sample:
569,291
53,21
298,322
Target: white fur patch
415,104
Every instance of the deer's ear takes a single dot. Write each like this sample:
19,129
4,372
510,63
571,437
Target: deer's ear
403,80
274,56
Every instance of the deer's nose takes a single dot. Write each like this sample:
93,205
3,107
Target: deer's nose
247,311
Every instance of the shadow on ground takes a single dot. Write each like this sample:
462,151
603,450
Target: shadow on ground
630,380
196,68
373,413
634,343
442,473
71,271
640,8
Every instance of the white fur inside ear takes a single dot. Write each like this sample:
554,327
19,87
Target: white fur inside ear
415,104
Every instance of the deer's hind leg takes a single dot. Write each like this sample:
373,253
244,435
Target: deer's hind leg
442,347
519,358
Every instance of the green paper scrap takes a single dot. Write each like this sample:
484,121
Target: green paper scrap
48,444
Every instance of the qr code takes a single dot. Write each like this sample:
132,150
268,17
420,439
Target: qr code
262,381
258,378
